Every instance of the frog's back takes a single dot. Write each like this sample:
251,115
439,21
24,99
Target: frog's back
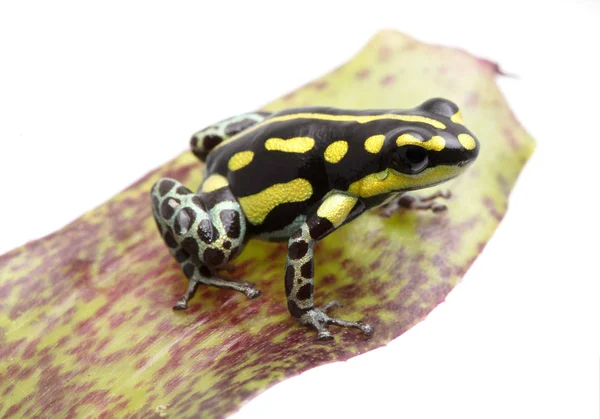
275,172
281,168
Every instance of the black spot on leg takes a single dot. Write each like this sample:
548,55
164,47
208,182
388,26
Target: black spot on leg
297,250
182,190
289,279
305,292
167,208
294,309
206,232
198,202
165,186
205,272
211,141
319,227
296,235
181,255
226,244
213,257
231,223
190,245
234,252
159,226
184,220
307,270
170,240
188,270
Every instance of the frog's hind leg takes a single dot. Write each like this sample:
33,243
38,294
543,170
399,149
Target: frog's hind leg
413,201
205,140
203,233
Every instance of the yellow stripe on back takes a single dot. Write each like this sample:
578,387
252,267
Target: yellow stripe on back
214,182
361,119
256,207
291,145
239,160
336,151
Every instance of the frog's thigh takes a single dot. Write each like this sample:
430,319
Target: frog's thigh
203,232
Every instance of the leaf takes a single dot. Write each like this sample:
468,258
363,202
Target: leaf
86,326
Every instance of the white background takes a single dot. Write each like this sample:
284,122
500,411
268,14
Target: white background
92,97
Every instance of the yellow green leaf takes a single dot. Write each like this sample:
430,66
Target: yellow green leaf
86,326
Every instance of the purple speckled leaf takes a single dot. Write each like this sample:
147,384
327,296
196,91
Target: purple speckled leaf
86,326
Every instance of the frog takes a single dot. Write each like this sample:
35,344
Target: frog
298,175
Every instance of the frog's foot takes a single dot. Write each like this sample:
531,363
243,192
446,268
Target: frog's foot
413,201
318,319
244,287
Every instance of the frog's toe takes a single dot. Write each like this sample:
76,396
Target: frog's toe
181,304
324,335
252,292
438,208
318,319
332,304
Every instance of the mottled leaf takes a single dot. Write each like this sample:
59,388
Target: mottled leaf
86,326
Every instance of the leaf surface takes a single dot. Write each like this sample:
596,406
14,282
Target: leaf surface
86,326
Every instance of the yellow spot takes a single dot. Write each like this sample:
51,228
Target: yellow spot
373,144
457,118
214,182
256,207
241,159
292,145
336,151
376,184
467,141
361,119
436,142
336,208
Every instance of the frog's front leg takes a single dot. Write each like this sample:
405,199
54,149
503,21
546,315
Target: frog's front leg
334,211
202,231
410,200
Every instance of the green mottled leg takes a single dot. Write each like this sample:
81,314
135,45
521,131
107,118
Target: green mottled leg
409,200
299,275
203,233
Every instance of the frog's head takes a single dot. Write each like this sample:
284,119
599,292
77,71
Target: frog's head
430,145
436,150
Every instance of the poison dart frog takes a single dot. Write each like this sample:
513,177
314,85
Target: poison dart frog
298,175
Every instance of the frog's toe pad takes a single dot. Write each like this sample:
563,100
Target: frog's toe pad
438,208
180,305
252,293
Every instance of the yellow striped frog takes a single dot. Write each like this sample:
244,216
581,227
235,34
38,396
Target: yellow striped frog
298,175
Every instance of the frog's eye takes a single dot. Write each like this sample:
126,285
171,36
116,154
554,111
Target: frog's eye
410,159
440,107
